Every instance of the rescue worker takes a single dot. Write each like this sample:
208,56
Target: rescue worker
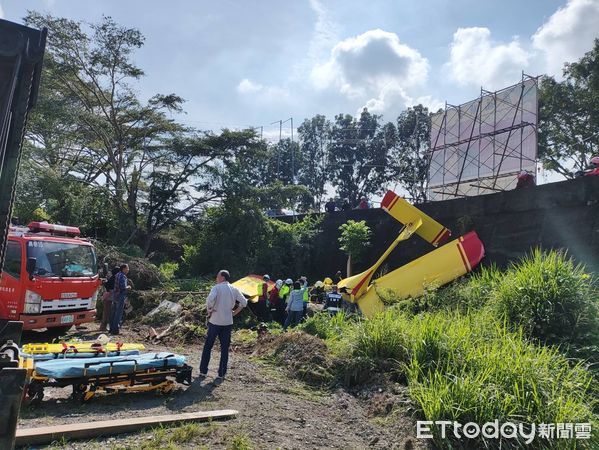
525,180
273,299
328,283
118,300
262,306
333,304
295,307
283,296
317,292
304,283
594,166
107,298
338,277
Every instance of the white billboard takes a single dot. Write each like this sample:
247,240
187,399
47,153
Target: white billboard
476,145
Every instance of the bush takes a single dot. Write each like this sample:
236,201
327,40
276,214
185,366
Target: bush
551,298
168,269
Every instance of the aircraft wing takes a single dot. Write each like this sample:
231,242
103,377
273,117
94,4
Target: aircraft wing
431,230
249,285
434,269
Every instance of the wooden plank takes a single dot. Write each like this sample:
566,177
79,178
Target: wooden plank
87,430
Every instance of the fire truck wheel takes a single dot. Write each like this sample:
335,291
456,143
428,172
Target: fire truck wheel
59,331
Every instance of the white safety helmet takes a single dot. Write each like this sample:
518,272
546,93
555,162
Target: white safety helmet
288,281
279,283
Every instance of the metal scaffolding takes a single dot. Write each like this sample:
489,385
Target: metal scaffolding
480,146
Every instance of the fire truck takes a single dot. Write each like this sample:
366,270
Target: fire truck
50,277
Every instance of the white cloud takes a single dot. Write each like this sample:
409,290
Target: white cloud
370,64
477,60
247,86
568,34
324,35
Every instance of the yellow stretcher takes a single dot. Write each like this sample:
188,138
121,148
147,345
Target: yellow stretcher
439,267
79,347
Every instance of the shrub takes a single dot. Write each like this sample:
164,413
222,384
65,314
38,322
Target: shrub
551,298
168,269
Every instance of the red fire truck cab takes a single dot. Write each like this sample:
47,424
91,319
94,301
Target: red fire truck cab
50,277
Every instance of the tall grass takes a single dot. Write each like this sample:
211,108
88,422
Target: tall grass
472,368
473,352
550,297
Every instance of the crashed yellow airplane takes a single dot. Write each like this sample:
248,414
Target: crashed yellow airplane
439,267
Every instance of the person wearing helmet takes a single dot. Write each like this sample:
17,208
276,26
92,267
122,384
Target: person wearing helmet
273,299
262,307
333,304
295,308
525,180
594,166
328,283
317,292
304,282
283,296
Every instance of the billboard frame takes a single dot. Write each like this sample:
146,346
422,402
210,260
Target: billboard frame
447,140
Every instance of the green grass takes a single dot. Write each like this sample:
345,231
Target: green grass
172,437
239,441
477,351
550,297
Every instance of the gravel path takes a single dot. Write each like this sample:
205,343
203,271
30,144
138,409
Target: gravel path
275,411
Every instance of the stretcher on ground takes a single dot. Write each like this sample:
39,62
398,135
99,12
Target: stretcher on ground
79,347
106,375
436,268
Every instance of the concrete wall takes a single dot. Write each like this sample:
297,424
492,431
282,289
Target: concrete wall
559,215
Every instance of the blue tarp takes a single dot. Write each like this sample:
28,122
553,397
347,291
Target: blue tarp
72,368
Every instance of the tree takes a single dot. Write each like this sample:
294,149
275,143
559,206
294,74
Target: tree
409,163
569,116
354,240
359,155
314,137
93,129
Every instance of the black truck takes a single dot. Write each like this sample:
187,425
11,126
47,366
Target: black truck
21,57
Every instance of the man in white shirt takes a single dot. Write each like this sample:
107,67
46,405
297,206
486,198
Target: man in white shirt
221,307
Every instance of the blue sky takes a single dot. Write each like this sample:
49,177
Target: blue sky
241,63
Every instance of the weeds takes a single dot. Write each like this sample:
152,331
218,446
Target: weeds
240,441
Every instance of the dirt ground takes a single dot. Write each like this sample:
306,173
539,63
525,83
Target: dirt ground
275,410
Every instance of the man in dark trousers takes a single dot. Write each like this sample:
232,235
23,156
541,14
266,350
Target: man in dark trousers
121,286
223,303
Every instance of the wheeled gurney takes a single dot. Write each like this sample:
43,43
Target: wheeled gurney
107,374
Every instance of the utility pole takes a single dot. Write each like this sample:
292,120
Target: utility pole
280,122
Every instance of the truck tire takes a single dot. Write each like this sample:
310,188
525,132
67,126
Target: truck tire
59,331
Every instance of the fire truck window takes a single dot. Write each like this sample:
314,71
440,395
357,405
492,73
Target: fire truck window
12,262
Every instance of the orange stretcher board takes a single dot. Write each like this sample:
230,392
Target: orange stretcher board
431,230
